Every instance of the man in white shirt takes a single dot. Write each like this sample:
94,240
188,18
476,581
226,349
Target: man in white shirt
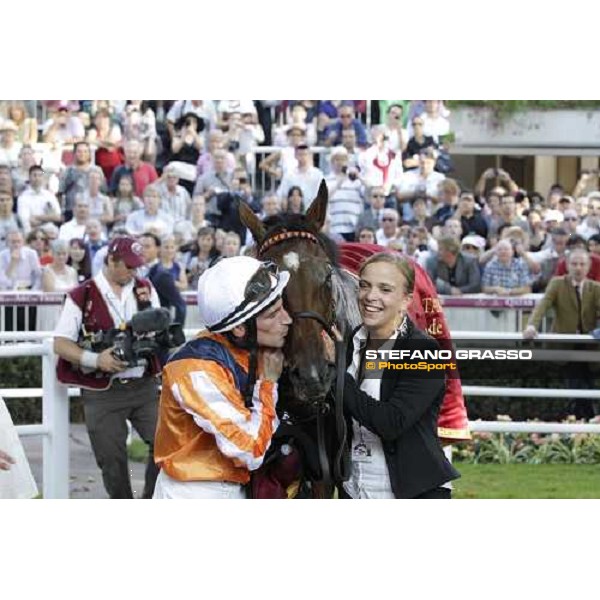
346,195
110,300
591,224
75,228
150,218
19,265
388,232
421,182
434,124
37,205
306,176
174,198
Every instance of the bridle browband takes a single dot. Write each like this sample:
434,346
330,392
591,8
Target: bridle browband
284,236
277,238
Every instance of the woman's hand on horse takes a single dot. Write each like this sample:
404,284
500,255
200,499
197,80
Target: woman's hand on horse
272,364
330,344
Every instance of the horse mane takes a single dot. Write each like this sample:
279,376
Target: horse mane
290,222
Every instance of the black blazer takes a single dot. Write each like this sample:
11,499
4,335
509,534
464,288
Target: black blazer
405,418
167,291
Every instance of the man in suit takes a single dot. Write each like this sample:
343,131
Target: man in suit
162,279
576,303
573,314
373,213
452,272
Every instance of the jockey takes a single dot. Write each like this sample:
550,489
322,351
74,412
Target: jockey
217,408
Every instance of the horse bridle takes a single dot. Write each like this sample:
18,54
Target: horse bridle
339,473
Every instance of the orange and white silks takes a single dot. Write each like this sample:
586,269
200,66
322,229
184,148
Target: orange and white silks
205,432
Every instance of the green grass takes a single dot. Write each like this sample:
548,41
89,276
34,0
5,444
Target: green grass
527,481
137,451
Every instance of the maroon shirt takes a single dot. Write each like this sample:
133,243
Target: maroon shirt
142,176
593,273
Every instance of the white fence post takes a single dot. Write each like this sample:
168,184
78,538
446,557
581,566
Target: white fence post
55,416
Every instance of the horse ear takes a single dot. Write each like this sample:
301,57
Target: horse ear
251,221
317,211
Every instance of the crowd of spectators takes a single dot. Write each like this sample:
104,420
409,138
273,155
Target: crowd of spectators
175,169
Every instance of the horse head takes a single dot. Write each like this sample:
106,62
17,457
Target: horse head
295,243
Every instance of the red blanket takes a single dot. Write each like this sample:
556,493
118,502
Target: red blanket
426,313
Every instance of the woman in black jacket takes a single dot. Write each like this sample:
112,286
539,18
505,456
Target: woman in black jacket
395,451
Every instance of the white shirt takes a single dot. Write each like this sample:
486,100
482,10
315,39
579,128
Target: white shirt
177,204
120,309
139,221
369,476
346,203
394,138
383,240
10,157
240,106
373,175
71,230
411,181
435,127
308,181
34,204
586,231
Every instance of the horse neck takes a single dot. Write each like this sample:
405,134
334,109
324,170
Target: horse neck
345,296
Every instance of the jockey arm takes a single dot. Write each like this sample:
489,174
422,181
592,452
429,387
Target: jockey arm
207,392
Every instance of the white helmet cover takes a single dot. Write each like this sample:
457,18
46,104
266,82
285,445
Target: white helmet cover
228,295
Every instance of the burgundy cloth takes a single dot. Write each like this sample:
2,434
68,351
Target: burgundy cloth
109,160
426,313
593,273
96,317
129,250
272,480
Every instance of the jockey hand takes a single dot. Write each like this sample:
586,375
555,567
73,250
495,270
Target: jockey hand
272,363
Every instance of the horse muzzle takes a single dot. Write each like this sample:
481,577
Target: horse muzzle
312,385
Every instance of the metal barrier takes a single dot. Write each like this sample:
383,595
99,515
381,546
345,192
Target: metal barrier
55,396
463,311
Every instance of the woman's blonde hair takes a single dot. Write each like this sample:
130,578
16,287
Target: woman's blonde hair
404,266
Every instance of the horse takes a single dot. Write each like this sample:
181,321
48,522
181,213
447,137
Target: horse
320,294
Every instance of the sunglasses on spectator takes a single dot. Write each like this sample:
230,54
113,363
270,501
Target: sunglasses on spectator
417,123
388,219
345,116
378,196
571,219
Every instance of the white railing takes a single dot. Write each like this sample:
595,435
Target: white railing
55,416
468,311
55,401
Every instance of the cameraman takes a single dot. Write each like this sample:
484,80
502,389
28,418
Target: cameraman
112,392
217,409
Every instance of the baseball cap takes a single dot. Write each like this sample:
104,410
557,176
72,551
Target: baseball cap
473,240
553,215
127,249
